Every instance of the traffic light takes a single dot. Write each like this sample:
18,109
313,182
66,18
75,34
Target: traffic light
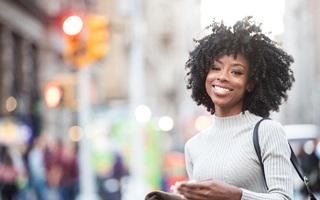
69,97
72,25
97,36
87,39
52,94
75,49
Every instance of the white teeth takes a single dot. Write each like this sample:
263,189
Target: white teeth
221,89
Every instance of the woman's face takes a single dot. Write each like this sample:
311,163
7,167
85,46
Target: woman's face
227,82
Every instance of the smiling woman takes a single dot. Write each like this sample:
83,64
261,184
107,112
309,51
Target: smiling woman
239,75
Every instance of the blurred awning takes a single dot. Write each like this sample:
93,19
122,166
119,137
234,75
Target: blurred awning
301,131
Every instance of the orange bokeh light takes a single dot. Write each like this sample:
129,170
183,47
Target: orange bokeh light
52,94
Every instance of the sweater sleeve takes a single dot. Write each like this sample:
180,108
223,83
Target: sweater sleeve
276,160
189,166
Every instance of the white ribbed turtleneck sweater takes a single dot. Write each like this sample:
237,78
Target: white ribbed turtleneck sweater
225,152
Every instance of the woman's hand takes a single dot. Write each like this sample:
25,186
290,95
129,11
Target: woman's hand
208,189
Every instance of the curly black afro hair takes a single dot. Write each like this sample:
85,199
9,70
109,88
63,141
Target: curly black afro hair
269,65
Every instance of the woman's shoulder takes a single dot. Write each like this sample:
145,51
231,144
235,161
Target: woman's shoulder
270,125
198,137
272,130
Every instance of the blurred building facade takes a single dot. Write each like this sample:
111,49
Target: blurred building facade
22,40
32,56
301,38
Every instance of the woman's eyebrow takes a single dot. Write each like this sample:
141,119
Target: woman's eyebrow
238,64
217,60
233,64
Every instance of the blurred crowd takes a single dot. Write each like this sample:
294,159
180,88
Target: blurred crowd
41,171
47,169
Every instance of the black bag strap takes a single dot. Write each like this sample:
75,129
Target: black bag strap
293,159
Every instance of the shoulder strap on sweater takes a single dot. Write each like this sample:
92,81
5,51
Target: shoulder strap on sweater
257,147
293,159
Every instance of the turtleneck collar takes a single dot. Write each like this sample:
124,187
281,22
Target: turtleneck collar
235,120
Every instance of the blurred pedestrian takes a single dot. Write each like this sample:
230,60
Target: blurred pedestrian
68,184
53,168
9,175
37,170
239,75
109,179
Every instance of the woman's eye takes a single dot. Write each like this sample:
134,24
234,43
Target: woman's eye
238,72
215,68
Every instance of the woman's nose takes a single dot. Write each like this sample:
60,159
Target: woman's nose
223,76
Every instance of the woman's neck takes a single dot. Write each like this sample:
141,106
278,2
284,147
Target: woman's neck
226,113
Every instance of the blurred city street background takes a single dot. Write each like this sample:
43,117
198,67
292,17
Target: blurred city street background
93,101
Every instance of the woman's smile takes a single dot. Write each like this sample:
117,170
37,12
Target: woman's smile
220,89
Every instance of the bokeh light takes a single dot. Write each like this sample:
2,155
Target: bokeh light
75,133
202,122
72,25
165,123
52,94
11,104
142,113
309,147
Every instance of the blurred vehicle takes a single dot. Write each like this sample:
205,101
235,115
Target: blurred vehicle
305,142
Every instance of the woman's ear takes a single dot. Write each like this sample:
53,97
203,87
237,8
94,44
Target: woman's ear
250,87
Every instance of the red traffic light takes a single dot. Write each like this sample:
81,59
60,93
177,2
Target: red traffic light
52,94
72,25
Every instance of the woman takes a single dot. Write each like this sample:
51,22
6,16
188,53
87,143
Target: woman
239,75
